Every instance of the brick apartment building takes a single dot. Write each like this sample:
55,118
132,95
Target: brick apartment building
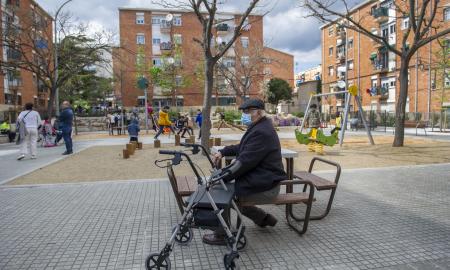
147,33
18,86
279,64
375,70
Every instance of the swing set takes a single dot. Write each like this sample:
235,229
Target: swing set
331,140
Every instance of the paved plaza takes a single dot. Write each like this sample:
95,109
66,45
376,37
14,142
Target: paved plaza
389,218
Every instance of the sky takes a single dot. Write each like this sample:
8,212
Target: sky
285,27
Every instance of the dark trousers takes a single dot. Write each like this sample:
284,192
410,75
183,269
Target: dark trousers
133,139
11,135
67,136
161,129
189,130
334,129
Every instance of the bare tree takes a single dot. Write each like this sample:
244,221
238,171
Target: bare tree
423,27
243,70
205,12
30,47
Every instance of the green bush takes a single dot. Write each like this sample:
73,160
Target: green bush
299,114
232,115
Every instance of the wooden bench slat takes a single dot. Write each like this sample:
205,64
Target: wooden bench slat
289,198
186,185
319,182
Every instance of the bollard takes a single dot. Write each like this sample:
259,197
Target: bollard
125,154
177,139
139,145
135,144
157,143
130,148
211,142
217,141
192,138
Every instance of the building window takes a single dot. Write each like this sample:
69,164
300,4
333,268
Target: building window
178,81
350,43
330,71
330,31
177,21
157,62
140,39
330,51
446,14
392,83
244,41
385,32
177,39
392,29
350,64
405,23
447,78
140,18
156,20
156,41
244,60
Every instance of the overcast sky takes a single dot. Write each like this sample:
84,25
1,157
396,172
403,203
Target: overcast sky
284,27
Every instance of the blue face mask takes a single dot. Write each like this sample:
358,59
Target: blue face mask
246,119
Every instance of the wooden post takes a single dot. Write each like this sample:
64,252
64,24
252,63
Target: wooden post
211,142
192,138
177,139
157,144
130,148
125,154
139,145
217,141
135,144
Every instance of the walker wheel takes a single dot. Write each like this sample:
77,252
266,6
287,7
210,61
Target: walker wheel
153,262
241,242
228,261
184,235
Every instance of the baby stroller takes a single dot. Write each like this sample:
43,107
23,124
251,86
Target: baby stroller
208,208
47,135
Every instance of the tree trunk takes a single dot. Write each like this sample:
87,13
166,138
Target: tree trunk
206,112
51,101
401,105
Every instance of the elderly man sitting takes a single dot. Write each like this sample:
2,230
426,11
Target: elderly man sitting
259,151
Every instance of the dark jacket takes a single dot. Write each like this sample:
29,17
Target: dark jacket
66,118
260,154
133,129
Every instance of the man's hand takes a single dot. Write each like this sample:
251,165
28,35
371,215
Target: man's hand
216,158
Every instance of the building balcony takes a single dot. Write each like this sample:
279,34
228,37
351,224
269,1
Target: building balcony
340,58
223,28
340,41
381,68
381,14
165,47
165,27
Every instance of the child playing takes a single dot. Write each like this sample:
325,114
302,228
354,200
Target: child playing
313,120
133,130
164,121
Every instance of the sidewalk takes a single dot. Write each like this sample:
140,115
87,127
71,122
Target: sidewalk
390,218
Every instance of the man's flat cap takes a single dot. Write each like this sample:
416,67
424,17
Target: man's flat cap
252,103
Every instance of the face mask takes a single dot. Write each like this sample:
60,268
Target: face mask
246,119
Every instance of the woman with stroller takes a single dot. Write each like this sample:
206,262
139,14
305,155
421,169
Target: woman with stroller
48,133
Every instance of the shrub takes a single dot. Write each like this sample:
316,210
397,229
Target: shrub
232,115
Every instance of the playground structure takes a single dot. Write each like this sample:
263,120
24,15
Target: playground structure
332,140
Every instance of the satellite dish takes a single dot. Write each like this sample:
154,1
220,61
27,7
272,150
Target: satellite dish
171,60
169,17
341,84
219,40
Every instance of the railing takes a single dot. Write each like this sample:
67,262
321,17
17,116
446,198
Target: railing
381,14
166,46
223,27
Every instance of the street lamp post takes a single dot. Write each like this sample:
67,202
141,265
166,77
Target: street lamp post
56,57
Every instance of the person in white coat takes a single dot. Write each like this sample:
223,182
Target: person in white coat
29,122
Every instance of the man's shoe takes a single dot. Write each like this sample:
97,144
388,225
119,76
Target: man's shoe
214,239
269,220
67,153
20,157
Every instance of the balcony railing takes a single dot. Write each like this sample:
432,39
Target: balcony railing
165,27
222,28
381,14
165,46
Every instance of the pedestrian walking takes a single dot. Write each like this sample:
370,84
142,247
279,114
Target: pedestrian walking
198,120
28,124
164,121
65,122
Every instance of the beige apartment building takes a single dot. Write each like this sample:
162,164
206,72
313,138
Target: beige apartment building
18,86
374,69
149,34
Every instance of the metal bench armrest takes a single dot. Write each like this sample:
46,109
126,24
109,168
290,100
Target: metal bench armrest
329,162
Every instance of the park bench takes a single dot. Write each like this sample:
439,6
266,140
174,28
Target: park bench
184,186
319,183
416,125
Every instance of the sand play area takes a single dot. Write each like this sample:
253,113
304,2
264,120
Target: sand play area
103,163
